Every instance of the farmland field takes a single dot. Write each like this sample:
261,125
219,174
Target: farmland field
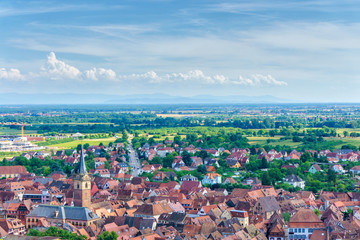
9,154
73,144
10,131
353,141
274,141
176,115
349,130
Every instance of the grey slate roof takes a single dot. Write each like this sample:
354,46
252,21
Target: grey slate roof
269,203
64,212
342,151
293,178
60,185
187,177
122,164
146,223
43,180
133,221
177,217
228,222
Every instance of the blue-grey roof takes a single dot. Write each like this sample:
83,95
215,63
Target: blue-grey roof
293,178
122,164
64,212
147,223
43,180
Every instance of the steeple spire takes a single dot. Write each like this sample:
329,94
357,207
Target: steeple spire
82,166
82,184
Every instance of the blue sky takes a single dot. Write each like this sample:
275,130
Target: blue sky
298,50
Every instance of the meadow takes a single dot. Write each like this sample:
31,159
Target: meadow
75,143
12,131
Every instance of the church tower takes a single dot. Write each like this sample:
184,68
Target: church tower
82,184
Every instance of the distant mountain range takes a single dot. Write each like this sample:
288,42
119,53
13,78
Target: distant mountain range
68,98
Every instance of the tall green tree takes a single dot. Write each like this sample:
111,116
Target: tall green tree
108,236
124,136
86,146
177,139
203,154
202,169
168,160
78,148
186,157
306,156
55,232
332,176
55,167
265,179
286,216
264,163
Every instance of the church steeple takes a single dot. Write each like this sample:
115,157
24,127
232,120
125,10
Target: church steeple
82,166
82,184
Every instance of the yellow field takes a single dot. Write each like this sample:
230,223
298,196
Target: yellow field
262,141
348,140
175,115
170,137
349,130
74,144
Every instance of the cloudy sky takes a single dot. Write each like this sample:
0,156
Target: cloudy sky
298,50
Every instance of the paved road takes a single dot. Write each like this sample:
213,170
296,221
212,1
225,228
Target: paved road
134,161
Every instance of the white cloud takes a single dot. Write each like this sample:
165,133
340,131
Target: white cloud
259,80
198,76
56,69
11,74
194,76
100,73
151,76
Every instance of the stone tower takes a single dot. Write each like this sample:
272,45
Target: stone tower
82,185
